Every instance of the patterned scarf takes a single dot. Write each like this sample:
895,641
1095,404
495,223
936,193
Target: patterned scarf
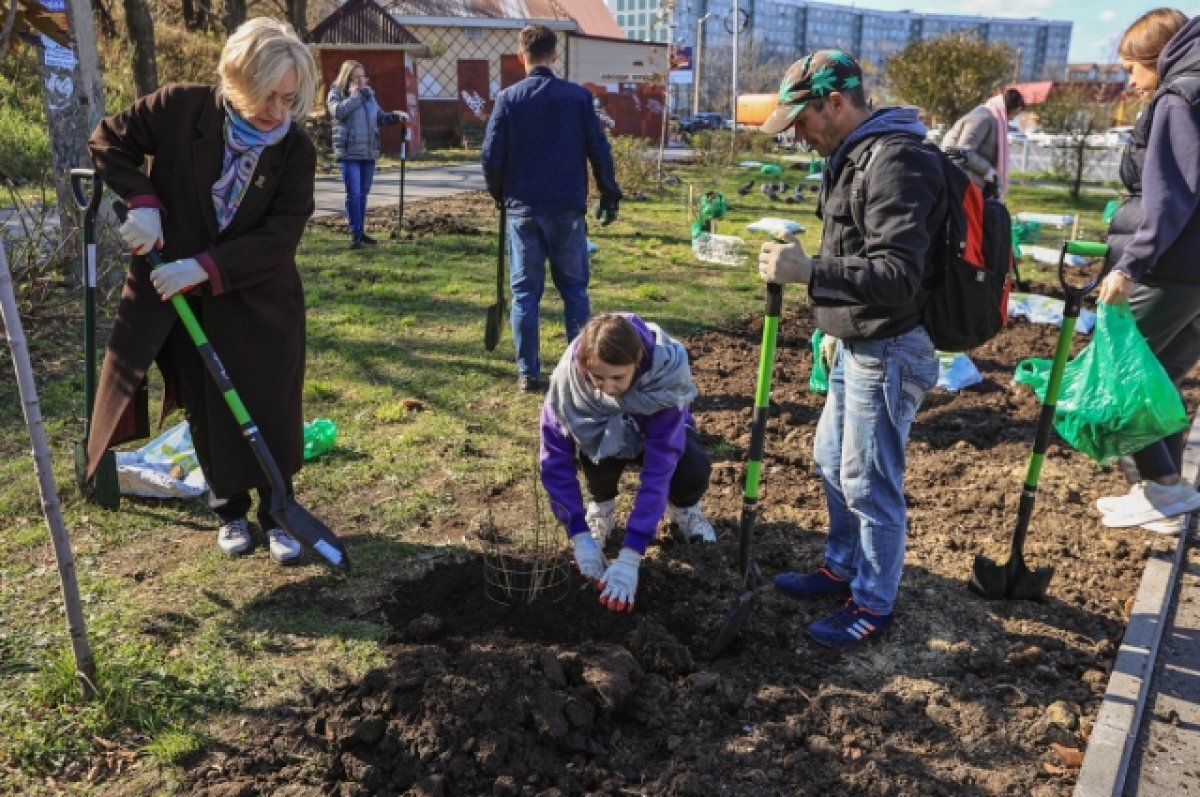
244,143
600,424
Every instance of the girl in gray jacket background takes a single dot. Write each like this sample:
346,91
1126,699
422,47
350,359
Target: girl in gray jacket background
357,118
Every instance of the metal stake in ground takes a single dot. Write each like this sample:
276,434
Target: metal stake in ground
292,517
736,617
1011,579
103,487
85,665
403,160
496,311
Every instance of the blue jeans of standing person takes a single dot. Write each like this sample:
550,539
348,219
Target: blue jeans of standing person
875,389
560,238
357,175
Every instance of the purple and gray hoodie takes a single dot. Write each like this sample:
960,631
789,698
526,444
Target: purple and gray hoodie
1155,233
663,438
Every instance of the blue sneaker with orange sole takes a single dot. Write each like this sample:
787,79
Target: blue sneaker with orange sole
821,581
849,625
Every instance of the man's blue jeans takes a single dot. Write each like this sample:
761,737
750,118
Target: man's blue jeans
875,389
357,175
560,238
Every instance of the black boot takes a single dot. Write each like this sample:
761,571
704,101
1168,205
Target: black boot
356,241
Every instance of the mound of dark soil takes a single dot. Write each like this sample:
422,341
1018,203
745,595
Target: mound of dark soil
963,697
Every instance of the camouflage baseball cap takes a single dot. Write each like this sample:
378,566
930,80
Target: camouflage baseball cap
810,78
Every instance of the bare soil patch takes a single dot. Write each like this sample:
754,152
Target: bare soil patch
963,697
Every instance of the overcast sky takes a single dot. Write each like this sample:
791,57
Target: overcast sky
1098,24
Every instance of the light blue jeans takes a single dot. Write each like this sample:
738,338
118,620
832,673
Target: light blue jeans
357,176
560,238
875,389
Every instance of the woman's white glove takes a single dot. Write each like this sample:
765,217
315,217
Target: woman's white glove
142,230
588,557
783,261
619,585
172,278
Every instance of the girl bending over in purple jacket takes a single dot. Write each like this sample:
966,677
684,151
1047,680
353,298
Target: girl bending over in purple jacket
618,397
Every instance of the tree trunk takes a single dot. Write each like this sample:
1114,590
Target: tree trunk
298,16
1080,153
140,27
235,14
74,100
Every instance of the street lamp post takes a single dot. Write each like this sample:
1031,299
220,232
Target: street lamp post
696,71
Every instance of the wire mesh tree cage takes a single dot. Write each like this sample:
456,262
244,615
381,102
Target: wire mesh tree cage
525,553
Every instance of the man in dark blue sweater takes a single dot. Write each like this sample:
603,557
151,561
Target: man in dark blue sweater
540,137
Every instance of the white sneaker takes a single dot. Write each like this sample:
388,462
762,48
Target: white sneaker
690,524
1171,527
284,548
600,520
1154,502
233,538
1111,503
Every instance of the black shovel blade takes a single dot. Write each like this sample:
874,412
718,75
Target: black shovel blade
1011,580
102,489
491,332
735,618
297,521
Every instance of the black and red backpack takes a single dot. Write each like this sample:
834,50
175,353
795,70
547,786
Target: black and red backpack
966,289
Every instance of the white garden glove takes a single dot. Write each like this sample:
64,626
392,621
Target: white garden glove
142,230
828,350
783,260
177,276
588,557
619,584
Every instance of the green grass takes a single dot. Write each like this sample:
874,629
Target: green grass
189,644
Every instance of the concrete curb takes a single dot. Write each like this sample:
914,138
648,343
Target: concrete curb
1115,733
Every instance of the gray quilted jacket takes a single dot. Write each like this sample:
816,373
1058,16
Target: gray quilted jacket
356,122
977,133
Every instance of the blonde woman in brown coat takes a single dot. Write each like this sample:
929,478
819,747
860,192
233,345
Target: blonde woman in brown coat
226,199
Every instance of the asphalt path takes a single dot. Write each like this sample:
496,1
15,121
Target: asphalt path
422,183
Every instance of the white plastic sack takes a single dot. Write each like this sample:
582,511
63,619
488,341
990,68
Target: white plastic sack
956,371
166,467
723,250
770,224
1049,255
591,247
1047,219
1038,309
750,164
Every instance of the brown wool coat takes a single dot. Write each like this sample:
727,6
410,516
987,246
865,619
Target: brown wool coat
254,317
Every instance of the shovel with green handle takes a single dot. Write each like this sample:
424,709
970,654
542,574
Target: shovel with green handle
291,517
736,617
1012,579
102,488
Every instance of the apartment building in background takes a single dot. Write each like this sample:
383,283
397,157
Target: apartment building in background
784,29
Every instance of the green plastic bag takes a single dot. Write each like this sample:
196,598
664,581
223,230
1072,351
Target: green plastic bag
770,169
319,437
1115,398
712,207
1026,232
1110,210
818,380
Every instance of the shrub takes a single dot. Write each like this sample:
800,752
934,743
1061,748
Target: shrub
24,146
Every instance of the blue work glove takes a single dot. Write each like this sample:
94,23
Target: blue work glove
177,276
619,585
606,212
588,556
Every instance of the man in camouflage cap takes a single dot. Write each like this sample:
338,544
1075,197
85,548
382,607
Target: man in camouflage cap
882,205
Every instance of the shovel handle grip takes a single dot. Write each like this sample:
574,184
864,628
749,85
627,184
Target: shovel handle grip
1075,295
86,201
